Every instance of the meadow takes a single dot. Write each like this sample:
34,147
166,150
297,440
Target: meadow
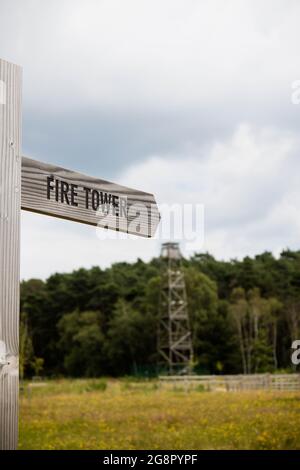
128,414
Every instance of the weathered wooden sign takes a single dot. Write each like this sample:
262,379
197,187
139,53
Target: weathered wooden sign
55,191
51,190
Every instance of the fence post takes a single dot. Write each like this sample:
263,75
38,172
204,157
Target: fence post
10,201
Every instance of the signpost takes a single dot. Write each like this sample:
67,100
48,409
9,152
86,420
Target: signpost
46,189
55,191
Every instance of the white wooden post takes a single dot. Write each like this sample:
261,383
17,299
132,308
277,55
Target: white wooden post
10,209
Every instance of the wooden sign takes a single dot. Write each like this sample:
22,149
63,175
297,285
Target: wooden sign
55,191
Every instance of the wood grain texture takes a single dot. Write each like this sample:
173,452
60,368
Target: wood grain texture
10,185
136,212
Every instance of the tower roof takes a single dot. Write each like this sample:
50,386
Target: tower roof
171,250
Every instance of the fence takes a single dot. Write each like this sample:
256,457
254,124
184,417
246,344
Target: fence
271,382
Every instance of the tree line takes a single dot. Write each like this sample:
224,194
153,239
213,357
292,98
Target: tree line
244,316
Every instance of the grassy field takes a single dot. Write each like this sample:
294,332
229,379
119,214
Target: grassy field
97,414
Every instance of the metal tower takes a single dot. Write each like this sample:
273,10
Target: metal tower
174,335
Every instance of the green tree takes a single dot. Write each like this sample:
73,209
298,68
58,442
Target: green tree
129,338
26,355
208,322
256,320
82,342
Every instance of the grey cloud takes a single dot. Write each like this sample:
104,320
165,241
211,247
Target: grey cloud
109,85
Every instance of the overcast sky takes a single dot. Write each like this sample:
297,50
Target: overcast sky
187,99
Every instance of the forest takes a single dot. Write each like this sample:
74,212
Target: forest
94,322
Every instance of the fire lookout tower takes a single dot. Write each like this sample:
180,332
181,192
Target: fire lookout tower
174,335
